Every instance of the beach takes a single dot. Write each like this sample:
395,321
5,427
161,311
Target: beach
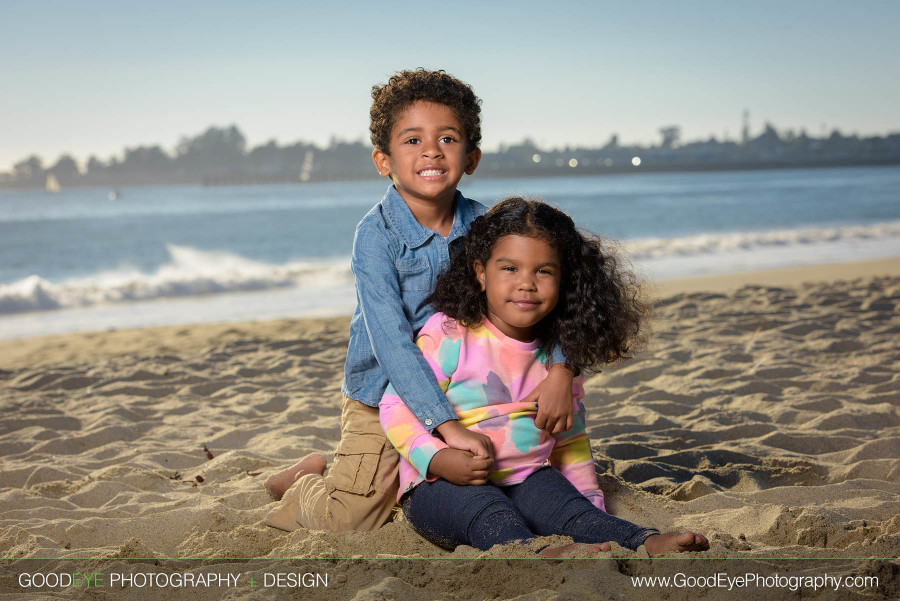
764,412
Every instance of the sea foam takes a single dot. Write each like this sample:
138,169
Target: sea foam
190,272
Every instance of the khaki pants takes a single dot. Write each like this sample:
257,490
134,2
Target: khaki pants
360,490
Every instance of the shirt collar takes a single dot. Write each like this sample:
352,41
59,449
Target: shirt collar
413,233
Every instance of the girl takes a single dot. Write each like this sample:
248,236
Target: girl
524,282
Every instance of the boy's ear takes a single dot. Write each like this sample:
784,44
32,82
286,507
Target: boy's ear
380,158
473,157
478,266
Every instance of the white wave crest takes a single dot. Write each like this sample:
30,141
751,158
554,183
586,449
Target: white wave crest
711,244
190,272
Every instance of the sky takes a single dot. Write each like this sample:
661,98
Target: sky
91,78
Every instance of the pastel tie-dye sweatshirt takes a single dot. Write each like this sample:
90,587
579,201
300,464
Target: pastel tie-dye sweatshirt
485,374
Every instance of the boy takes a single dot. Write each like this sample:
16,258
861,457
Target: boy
426,128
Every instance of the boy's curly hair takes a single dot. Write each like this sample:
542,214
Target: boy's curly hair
597,319
407,87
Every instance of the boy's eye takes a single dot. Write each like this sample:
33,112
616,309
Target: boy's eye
448,139
412,141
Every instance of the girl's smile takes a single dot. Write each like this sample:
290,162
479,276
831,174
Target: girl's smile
521,282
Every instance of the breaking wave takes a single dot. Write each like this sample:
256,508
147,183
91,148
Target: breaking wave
190,272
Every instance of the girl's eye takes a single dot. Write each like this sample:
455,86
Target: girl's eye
448,139
545,271
508,268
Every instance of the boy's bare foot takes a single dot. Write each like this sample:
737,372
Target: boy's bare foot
574,550
675,541
279,483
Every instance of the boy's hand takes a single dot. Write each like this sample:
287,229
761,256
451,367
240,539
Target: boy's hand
460,467
459,437
554,400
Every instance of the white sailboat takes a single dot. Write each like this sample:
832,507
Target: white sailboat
52,184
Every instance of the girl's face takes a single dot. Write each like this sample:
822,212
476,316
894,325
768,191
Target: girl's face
521,281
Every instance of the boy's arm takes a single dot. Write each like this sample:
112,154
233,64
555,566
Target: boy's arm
391,335
554,396
571,455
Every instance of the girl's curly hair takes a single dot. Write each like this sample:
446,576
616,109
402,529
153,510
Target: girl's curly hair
406,87
597,319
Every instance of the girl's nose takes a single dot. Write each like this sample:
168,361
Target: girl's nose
526,281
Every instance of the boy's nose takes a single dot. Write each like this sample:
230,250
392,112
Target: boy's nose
431,150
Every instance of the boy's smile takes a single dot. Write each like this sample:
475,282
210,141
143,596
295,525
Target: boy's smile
521,281
427,155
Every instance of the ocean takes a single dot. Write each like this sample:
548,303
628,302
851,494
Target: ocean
78,260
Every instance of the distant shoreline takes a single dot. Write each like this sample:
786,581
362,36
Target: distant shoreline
485,172
547,171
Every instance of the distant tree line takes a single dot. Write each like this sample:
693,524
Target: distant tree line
219,155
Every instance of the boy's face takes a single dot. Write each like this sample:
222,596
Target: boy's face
427,155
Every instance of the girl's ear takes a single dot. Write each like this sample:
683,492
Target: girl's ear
478,266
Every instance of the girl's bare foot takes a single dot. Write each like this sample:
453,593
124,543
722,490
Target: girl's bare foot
574,550
675,541
279,483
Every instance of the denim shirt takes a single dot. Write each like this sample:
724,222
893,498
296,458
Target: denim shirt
395,263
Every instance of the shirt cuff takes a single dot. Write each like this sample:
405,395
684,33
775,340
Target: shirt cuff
422,452
557,356
433,417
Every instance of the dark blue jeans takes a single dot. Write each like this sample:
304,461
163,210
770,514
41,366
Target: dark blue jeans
483,516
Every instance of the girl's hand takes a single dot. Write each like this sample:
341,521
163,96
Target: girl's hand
554,400
460,467
459,437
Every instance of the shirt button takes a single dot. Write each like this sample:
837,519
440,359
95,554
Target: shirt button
429,421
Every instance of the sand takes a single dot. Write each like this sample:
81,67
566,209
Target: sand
765,415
